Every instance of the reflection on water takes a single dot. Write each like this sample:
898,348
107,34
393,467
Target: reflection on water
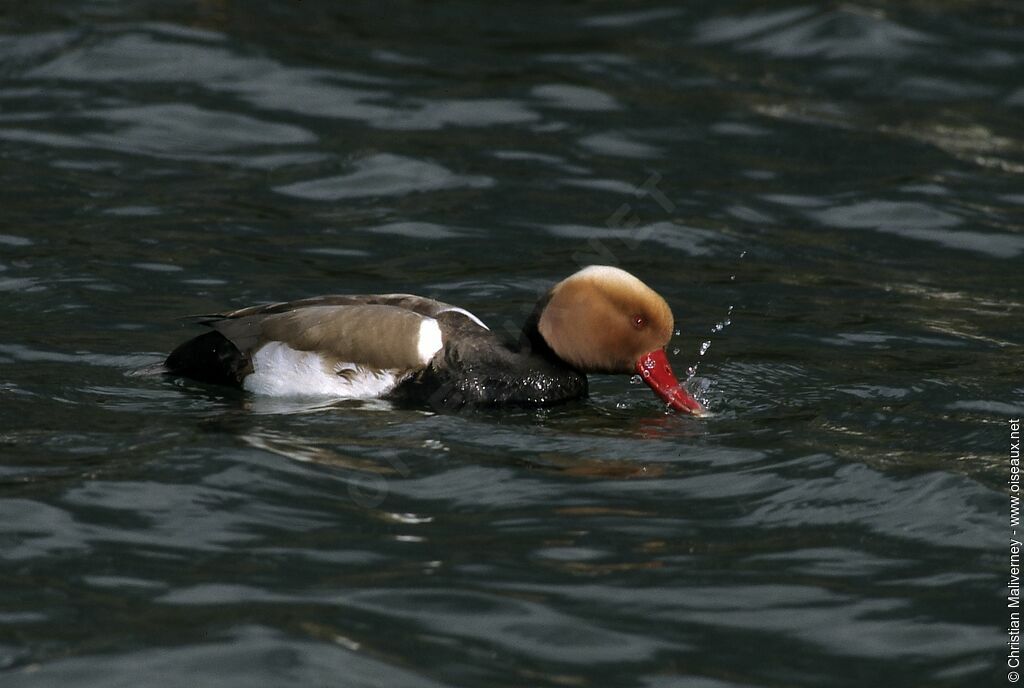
383,175
841,184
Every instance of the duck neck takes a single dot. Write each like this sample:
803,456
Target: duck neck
531,341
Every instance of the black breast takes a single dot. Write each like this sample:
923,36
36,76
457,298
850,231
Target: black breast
476,369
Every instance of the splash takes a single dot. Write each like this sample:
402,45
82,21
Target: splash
700,387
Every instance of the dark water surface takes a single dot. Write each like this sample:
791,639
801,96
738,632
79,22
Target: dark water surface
831,195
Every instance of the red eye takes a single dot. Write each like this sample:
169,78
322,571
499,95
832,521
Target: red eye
639,322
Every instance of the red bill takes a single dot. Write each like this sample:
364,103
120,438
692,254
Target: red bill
658,375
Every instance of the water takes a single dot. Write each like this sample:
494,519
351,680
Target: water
840,184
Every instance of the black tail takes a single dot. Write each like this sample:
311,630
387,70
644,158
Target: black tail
210,357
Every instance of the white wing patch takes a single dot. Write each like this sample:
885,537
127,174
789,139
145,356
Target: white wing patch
279,370
456,309
430,341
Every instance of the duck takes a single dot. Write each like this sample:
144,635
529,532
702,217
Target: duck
407,348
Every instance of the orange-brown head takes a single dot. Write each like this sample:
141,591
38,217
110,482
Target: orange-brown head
604,320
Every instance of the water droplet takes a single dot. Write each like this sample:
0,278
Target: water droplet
704,347
635,379
675,351
729,312
742,254
691,371
732,278
721,325
677,332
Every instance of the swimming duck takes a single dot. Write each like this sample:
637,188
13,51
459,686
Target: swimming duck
410,348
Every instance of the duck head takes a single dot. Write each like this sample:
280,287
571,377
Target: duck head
604,320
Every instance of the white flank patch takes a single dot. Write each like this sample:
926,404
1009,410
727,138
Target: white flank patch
279,370
456,309
430,340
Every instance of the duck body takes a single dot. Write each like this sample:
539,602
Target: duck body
396,346
414,349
